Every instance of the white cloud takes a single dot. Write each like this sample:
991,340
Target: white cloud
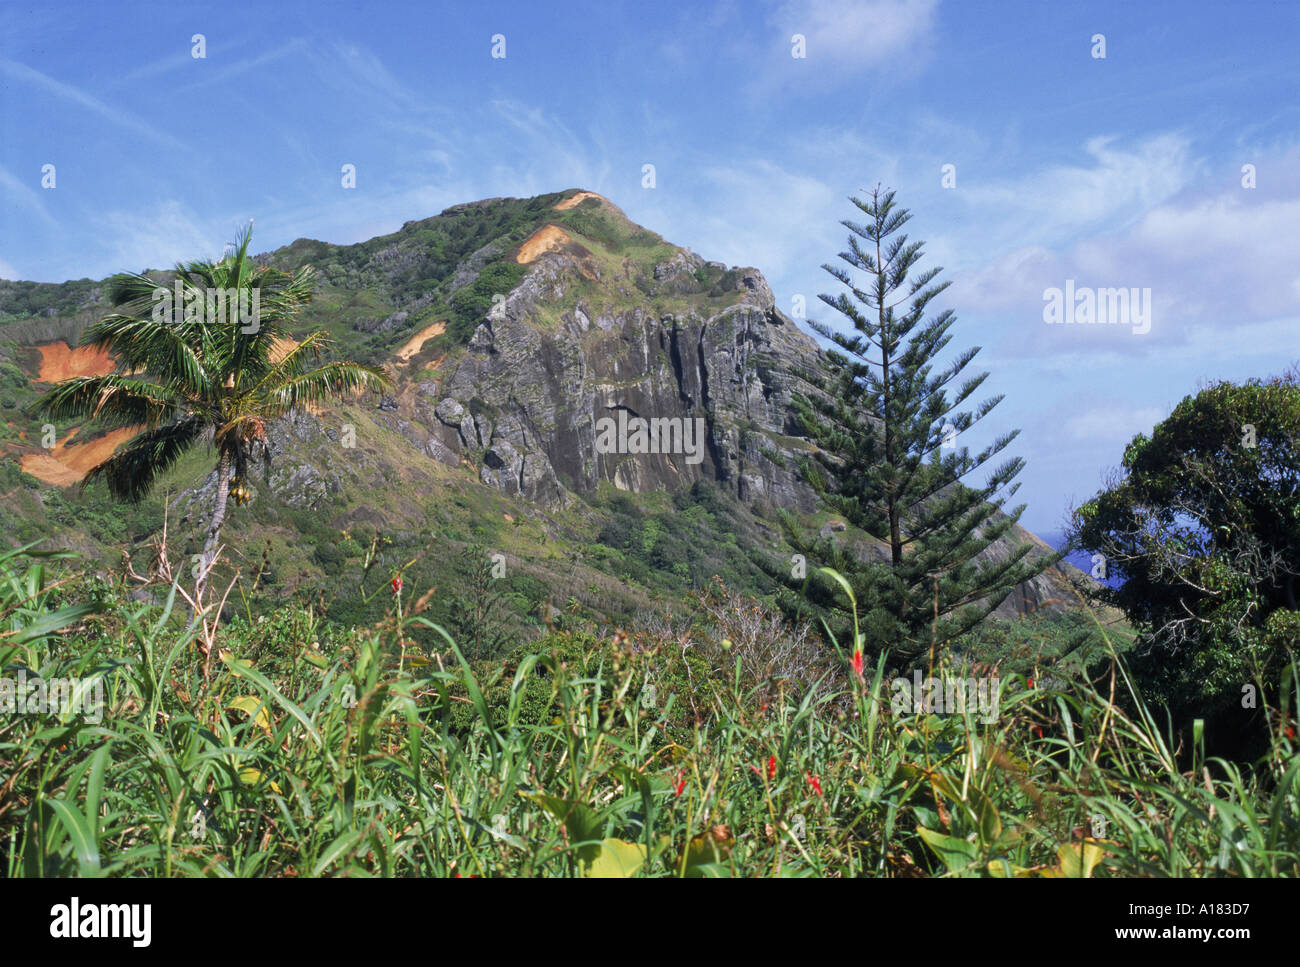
1215,256
1113,424
1058,202
856,34
8,272
156,240
15,187
759,214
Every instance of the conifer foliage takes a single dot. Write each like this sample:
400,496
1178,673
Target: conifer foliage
885,423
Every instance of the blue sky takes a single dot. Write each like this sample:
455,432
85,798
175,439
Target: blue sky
1122,171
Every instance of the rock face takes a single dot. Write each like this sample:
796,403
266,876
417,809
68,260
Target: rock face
532,402
546,398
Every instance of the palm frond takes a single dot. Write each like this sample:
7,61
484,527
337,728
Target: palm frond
331,379
113,400
163,350
293,362
131,471
133,293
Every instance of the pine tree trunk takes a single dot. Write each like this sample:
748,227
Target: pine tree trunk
891,498
214,527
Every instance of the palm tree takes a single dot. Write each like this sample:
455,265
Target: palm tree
197,373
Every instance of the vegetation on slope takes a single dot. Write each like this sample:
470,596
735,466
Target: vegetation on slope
314,751
371,298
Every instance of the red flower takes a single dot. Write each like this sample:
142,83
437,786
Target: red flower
397,584
1039,730
857,662
815,783
681,784
771,767
1290,731
1029,683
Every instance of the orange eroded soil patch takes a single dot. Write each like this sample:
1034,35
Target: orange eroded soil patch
60,361
68,462
543,241
416,342
575,200
46,469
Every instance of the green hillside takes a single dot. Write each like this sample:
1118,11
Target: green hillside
604,557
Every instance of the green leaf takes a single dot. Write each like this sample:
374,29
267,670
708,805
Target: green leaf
254,708
1078,860
956,854
840,579
95,784
336,849
251,776
986,816
81,834
704,855
580,822
237,667
47,624
1001,869
616,859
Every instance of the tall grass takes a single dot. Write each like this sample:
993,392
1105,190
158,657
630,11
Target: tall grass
313,752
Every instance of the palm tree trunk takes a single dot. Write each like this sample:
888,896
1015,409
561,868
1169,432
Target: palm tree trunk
214,527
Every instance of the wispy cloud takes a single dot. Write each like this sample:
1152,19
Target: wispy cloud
855,35
154,68
543,153
1113,423
22,191
1213,255
797,212
218,74
133,240
1058,203
125,119
843,39
355,66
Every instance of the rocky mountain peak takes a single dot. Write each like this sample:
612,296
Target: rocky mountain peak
644,335
549,346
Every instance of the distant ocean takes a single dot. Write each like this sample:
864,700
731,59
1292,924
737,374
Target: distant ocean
1080,559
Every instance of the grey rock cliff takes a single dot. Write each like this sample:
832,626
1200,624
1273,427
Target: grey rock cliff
530,399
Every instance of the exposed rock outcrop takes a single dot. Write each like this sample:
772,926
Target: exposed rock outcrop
537,396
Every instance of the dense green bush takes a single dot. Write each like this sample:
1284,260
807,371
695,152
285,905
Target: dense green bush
1203,525
685,544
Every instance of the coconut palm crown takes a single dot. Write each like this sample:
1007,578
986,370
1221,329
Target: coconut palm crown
201,373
